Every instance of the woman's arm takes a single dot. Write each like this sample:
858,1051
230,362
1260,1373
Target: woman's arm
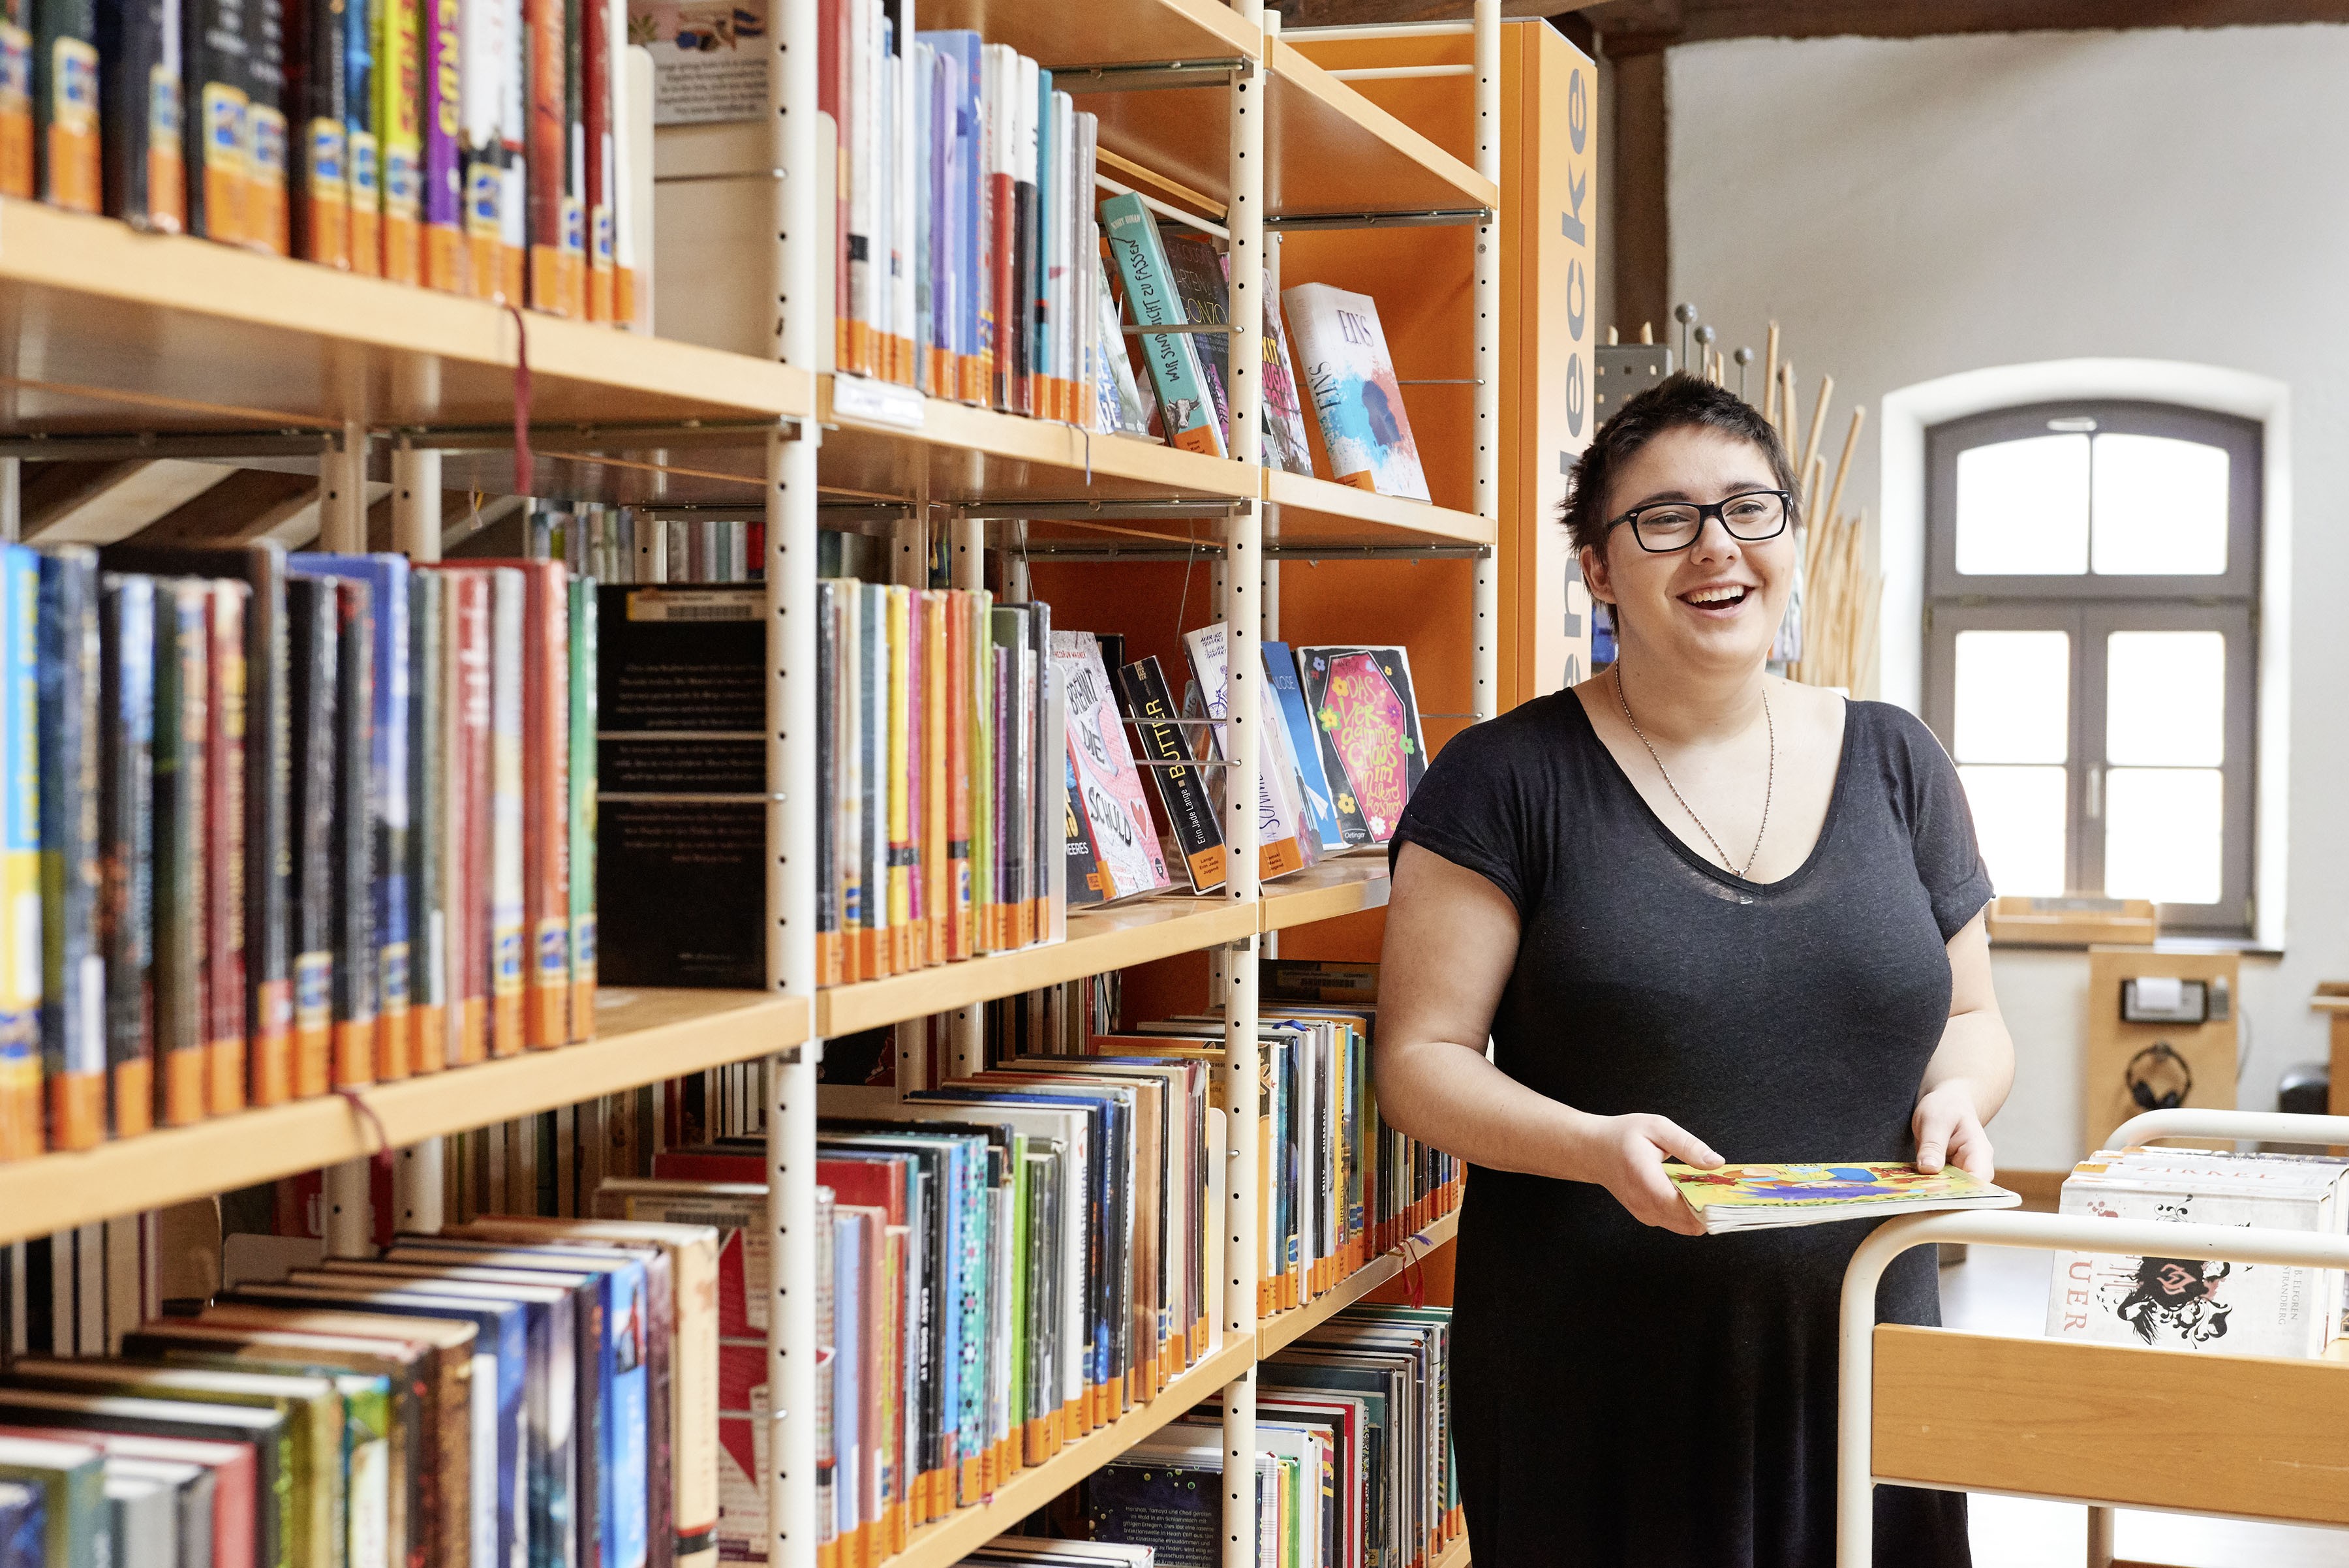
1451,942
1972,1068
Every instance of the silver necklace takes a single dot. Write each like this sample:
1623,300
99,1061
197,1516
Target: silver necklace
1769,785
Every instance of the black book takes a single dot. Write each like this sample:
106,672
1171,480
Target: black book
1143,695
126,844
317,100
213,114
64,103
1083,872
73,1009
268,791
1025,270
142,113
314,617
182,688
352,836
430,992
680,813
265,222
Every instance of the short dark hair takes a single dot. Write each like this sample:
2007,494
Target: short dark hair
1677,401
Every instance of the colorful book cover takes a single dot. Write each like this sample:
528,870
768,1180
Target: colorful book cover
1125,407
182,688
407,102
545,676
1197,271
1284,412
227,1009
581,872
20,854
508,939
143,141
1367,721
126,844
73,974
390,809
448,100
1738,1197
1278,850
1303,745
362,129
487,75
70,1478
1107,785
66,103
1341,355
1198,834
1186,409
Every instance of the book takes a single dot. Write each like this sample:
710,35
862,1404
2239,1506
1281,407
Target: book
318,109
20,855
1191,815
1285,444
1342,354
66,104
1366,721
141,140
1747,1197
227,1006
73,971
356,987
1276,814
543,673
182,686
1299,742
267,225
314,736
1187,408
1195,272
433,686
125,927
580,873
1125,406
70,1478
17,136
505,817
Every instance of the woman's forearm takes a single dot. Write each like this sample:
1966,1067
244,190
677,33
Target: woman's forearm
1976,1053
1449,1095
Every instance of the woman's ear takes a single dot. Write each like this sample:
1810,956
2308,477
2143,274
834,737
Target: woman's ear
1594,575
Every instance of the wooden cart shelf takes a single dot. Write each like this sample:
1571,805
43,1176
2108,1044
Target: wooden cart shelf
1104,940
644,1036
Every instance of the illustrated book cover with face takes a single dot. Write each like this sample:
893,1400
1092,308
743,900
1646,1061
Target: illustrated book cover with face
1108,788
1366,720
1341,356
1748,1197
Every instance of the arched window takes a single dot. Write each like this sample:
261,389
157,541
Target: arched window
2091,596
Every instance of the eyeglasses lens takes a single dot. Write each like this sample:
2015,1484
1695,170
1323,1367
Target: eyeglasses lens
1751,517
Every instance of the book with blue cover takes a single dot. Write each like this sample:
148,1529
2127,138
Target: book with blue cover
20,854
1186,407
73,975
23,1525
1304,746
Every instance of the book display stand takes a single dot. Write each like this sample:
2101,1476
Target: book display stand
2109,1425
126,346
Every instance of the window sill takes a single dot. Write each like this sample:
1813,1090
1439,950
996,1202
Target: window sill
2243,946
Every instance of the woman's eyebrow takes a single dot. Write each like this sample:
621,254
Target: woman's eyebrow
1740,488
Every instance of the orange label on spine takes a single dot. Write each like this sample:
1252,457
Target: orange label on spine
354,1053
77,1110
73,182
224,1077
367,205
328,190
273,1044
134,1098
227,140
314,977
264,180
15,111
183,1088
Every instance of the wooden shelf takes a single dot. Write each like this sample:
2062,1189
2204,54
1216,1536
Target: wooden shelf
1104,32
643,1036
1313,511
105,328
1098,941
1325,891
1454,1555
946,1543
1285,1328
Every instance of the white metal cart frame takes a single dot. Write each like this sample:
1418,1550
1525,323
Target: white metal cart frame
2292,1452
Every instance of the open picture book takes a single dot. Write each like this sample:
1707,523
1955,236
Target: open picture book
1743,1197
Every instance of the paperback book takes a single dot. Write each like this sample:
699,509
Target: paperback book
1342,354
1755,1197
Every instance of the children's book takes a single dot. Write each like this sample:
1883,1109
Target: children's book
1752,1197
1367,721
1341,356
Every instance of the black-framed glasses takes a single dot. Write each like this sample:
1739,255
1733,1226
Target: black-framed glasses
1750,516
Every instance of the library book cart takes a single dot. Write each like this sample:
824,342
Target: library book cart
2109,1425
135,348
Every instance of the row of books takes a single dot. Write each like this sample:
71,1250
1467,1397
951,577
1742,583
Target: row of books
515,1390
280,824
963,214
1353,1460
482,152
622,545
2175,1303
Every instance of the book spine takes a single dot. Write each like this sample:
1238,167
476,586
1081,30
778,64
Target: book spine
17,132
1185,408
595,45
73,975
21,956
973,289
860,24
1046,769
406,42
546,752
141,136
444,174
542,27
954,707
1021,249
828,968
1196,832
625,304
428,695
899,780
879,762
915,765
848,817
317,102
357,959
831,86
515,113
267,222
313,611
214,130
126,844
66,104
571,237
363,130
182,681
581,869
467,788
1003,220
938,690
505,813
390,818
480,77
979,612
1002,664
226,1004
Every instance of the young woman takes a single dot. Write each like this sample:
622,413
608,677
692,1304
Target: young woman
1700,913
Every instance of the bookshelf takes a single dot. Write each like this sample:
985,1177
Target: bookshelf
122,345
1284,1328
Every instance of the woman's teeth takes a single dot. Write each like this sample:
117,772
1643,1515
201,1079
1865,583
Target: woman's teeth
1723,597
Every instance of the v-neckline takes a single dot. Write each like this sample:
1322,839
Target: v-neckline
1680,846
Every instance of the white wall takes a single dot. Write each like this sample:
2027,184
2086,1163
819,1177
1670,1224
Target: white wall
1911,209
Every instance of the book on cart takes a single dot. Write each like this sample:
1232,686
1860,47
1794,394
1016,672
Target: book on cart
2180,1304
1748,1197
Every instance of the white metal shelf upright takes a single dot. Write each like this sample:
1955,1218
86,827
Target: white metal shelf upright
1487,609
802,314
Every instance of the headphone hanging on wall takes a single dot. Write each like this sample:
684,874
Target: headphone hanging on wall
2159,1060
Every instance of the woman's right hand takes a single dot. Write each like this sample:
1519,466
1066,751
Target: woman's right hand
1626,1155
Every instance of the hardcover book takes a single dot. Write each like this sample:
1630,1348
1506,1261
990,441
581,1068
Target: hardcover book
314,738
1197,273
1367,721
20,854
126,845
73,972
1285,445
226,1005
1341,353
183,682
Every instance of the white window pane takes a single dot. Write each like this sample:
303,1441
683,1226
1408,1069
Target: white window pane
2014,696
2166,698
2019,823
2160,508
2162,834
2023,507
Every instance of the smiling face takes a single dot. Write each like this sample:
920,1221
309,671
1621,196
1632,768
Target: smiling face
1715,606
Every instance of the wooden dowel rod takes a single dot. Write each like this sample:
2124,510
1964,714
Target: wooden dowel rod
1818,420
1843,468
1770,378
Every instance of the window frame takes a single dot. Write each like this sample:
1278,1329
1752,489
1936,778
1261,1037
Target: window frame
2089,607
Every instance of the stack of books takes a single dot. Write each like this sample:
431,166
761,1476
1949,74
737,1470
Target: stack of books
278,824
484,155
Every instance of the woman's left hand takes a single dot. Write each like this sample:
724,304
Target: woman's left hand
1948,1131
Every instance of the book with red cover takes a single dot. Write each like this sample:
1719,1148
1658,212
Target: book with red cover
465,829
546,800
543,26
235,1496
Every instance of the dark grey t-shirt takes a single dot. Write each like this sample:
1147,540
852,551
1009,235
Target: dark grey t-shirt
1621,1394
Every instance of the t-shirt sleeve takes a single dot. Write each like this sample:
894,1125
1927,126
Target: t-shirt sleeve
1469,809
1941,828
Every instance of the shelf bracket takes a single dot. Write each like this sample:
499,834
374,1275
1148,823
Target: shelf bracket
1151,76
1427,217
